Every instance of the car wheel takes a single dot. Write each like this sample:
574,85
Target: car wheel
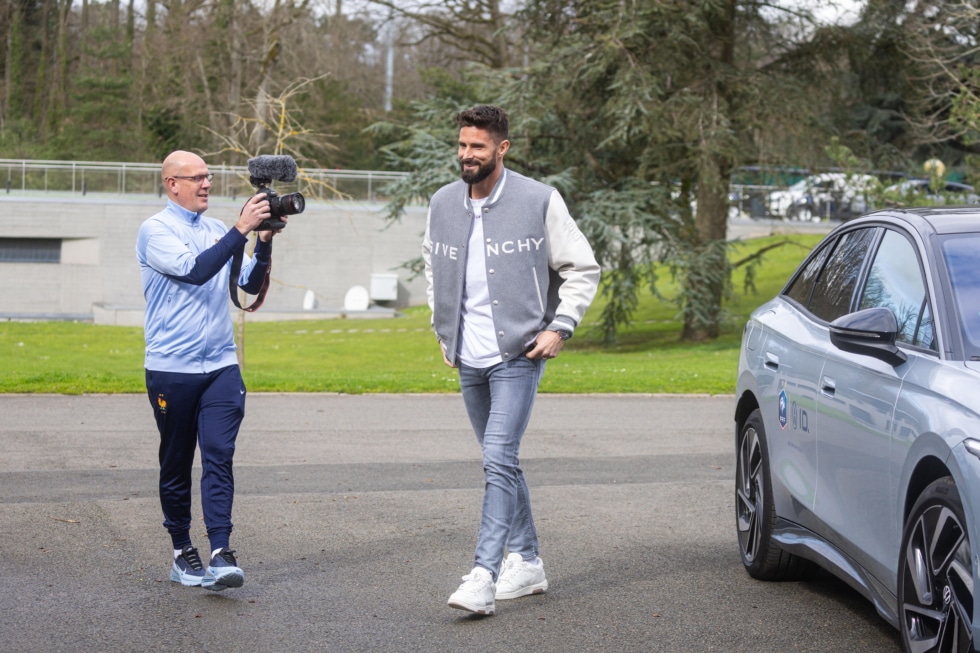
755,511
935,585
805,214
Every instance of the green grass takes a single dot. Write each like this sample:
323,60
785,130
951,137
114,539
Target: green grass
400,355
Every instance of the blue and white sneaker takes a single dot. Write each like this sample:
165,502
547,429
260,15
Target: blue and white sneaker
223,572
188,570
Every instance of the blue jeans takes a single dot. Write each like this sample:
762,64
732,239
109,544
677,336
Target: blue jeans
498,400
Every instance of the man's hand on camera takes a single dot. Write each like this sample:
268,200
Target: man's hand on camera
266,234
256,210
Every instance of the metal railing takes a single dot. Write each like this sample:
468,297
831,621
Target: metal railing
84,177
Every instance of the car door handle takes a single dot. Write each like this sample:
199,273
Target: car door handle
772,361
828,386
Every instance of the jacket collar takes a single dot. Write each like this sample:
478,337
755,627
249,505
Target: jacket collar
498,188
190,216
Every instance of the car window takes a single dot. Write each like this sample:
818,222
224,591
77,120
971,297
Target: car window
834,288
960,252
801,288
895,282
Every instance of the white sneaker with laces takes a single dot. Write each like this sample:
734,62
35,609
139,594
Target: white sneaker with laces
476,593
518,578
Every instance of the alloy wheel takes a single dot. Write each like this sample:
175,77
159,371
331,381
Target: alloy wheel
749,494
936,588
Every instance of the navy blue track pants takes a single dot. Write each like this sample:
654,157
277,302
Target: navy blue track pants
205,411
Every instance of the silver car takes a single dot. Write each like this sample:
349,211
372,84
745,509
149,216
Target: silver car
857,422
826,195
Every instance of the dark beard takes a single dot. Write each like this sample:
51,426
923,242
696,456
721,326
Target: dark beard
481,173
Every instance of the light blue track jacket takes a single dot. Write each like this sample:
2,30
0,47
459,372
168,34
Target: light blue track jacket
185,260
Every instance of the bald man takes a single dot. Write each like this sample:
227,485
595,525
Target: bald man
192,376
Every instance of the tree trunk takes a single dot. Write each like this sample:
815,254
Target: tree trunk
38,100
709,272
57,91
259,135
498,20
708,269
12,74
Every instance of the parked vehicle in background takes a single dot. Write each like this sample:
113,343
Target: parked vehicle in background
912,192
828,195
857,424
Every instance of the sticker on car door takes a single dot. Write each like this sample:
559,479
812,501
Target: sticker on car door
783,409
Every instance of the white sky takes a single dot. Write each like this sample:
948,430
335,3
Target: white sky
843,11
830,10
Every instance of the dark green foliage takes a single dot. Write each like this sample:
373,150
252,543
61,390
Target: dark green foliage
101,125
648,108
330,104
165,130
639,113
132,82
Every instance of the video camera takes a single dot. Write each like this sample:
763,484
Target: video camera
265,169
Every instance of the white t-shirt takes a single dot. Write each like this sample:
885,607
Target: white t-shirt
478,346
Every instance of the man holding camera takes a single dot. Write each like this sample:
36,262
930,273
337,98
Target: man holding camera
510,276
192,377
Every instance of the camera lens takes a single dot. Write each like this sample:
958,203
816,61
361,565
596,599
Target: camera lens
293,203
280,205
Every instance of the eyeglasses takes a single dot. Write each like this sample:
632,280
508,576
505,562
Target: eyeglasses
197,179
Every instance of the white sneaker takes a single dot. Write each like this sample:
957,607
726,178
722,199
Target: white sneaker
520,578
476,593
511,560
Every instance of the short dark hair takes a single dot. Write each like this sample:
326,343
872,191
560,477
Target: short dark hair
486,116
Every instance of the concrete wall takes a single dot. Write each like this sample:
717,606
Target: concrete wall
329,248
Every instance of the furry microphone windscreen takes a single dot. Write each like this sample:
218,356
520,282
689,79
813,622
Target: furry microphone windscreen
274,168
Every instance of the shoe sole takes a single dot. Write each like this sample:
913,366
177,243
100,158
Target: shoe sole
459,605
186,581
229,580
538,588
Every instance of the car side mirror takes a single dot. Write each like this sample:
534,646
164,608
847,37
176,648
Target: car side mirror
871,332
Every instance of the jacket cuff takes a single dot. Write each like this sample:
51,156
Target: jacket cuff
262,251
562,323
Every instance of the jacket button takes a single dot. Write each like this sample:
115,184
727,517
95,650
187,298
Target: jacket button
490,271
495,302
501,334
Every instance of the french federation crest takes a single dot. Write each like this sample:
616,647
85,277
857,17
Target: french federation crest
783,408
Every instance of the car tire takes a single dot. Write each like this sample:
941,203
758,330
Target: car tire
935,583
805,214
755,510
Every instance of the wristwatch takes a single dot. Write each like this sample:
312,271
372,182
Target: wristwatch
564,335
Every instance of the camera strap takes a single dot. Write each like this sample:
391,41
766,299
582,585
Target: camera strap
236,271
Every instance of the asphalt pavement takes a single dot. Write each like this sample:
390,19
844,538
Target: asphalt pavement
355,517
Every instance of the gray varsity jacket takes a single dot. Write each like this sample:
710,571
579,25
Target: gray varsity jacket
541,271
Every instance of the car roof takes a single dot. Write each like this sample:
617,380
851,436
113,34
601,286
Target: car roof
931,219
906,183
